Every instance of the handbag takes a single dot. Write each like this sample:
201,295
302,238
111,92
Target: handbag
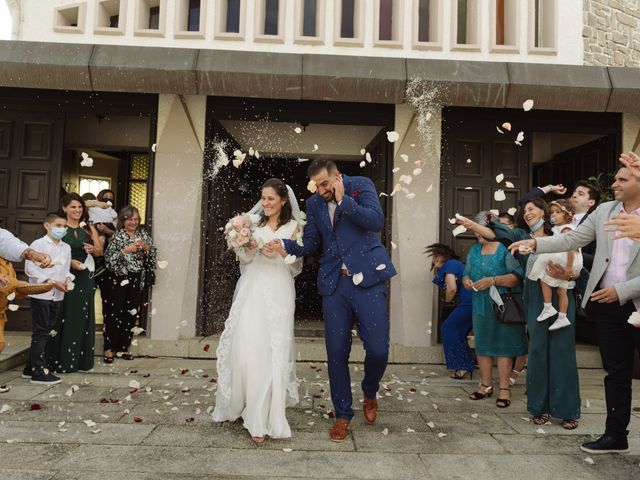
508,307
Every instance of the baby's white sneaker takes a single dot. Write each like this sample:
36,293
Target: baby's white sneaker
547,312
561,322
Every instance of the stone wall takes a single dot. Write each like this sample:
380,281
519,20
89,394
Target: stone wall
611,32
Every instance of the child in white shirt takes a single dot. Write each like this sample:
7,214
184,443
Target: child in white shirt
46,306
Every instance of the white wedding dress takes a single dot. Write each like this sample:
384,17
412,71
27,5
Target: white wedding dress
256,353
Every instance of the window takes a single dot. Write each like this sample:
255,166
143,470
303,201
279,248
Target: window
270,20
309,21
465,19
190,19
93,184
230,16
108,17
138,178
70,18
427,24
150,17
504,26
542,26
388,21
349,22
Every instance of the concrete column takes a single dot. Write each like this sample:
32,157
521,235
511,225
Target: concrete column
176,214
630,131
415,225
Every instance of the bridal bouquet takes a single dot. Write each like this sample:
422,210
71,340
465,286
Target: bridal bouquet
239,231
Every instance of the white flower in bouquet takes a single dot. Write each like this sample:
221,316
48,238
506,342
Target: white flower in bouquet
239,232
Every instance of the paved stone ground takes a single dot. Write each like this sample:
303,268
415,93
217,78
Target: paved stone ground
427,429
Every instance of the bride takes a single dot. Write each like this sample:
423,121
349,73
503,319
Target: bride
256,357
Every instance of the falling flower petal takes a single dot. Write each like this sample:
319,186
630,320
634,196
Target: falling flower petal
509,184
137,330
302,160
527,105
499,131
297,130
506,126
393,246
53,333
395,170
430,188
153,147
393,136
357,278
383,194
520,137
458,230
417,172
289,259
162,264
124,282
634,319
363,164
494,212
368,157
404,157
499,178
11,296
499,195
315,147
5,408
587,403
428,116
13,307
382,266
362,151
406,179
468,188
311,186
251,151
411,196
512,211
133,311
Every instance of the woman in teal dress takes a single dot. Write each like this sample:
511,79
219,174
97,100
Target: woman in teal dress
490,264
72,348
552,373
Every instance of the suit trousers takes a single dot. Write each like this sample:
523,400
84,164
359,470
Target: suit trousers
368,307
44,314
618,342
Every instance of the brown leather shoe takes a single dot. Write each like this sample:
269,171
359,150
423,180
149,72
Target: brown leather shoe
340,430
370,410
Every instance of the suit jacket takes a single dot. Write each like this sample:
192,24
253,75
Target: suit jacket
353,239
593,228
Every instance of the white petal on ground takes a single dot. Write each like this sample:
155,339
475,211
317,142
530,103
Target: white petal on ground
512,211
393,136
441,435
5,408
431,425
162,264
362,151
499,195
382,266
404,157
589,460
368,157
587,404
134,384
499,131
289,259
385,431
509,184
297,130
540,431
287,450
89,423
527,105
410,430
417,171
499,178
357,278
474,415
124,282
13,307
458,230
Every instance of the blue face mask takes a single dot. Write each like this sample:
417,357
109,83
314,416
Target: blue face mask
537,225
58,232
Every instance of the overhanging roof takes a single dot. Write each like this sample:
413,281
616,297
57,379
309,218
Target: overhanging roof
66,66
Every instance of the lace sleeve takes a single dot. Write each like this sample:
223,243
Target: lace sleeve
245,256
296,267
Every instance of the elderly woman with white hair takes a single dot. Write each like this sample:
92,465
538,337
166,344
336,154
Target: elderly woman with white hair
489,264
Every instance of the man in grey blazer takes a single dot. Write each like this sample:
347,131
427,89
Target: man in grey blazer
611,296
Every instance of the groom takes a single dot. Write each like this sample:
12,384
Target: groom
344,218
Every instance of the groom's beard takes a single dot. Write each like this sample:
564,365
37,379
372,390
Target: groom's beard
330,196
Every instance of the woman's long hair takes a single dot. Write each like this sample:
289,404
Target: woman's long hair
441,250
541,204
281,190
66,200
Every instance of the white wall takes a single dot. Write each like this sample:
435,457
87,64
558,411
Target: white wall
176,216
38,26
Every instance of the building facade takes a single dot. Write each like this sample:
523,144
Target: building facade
162,92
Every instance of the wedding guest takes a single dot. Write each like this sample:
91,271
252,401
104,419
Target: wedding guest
489,264
552,372
612,295
45,307
448,276
73,346
129,257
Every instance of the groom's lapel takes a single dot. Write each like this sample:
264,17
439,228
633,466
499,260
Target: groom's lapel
324,213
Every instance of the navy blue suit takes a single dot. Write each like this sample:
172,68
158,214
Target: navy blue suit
353,240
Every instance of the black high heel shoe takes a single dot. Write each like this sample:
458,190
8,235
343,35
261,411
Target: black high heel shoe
462,374
478,395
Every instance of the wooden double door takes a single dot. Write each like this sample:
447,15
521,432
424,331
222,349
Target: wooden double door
30,161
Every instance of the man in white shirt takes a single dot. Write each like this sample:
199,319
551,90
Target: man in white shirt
46,306
15,250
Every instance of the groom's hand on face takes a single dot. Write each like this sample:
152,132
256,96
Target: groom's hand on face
338,188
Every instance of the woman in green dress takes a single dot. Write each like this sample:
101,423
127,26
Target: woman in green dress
552,372
72,347
489,264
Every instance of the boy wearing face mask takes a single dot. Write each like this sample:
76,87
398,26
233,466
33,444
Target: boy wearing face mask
45,306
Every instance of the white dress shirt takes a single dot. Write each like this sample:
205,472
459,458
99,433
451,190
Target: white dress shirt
11,248
577,218
60,254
